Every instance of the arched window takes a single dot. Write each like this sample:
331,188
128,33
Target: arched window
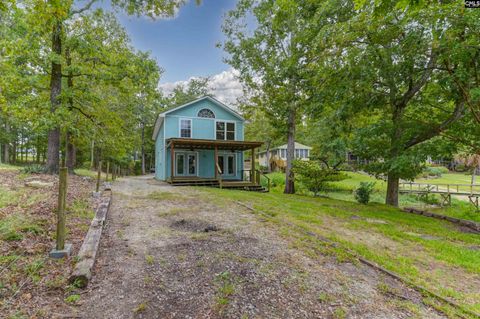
206,113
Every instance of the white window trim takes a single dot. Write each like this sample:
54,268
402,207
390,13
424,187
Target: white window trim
235,162
225,130
186,153
180,126
209,118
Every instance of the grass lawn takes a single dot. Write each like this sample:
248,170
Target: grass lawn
8,167
429,252
343,190
449,178
89,173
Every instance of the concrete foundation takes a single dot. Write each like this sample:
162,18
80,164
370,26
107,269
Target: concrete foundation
65,252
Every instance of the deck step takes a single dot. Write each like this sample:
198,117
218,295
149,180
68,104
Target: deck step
215,183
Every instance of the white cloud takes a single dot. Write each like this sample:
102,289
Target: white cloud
224,86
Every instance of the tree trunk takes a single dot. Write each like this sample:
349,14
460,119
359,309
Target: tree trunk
289,178
267,155
143,149
38,149
71,156
14,152
392,190
474,175
53,151
6,146
92,155
21,147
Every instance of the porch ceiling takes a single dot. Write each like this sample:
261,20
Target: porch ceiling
211,144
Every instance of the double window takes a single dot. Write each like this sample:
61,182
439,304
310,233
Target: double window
186,128
225,130
226,163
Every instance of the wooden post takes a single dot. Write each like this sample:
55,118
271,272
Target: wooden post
252,175
62,196
215,161
99,173
108,171
172,160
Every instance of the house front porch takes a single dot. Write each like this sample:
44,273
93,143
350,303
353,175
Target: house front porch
215,163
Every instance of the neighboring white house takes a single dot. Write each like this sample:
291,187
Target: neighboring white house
278,155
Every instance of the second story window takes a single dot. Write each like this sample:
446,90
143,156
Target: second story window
186,128
206,113
225,131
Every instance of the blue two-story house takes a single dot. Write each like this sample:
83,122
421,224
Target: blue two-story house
202,141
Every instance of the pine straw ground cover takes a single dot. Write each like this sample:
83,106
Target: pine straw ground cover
31,284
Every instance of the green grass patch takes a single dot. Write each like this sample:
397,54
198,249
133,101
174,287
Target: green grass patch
7,197
167,196
459,209
16,225
8,167
448,178
72,299
81,209
225,289
88,173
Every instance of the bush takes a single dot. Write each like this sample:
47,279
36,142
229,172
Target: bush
434,171
33,169
363,192
86,165
137,168
314,176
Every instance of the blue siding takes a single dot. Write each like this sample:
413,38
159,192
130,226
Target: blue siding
160,155
205,164
202,128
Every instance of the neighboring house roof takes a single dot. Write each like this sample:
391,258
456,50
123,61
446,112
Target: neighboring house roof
161,116
298,146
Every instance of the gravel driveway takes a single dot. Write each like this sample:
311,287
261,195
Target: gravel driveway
176,252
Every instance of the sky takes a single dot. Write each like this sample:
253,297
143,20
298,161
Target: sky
185,46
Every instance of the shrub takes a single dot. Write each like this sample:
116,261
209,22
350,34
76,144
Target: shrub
137,168
33,169
434,171
86,165
314,176
363,192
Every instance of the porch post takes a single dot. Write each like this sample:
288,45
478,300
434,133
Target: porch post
215,161
252,175
172,159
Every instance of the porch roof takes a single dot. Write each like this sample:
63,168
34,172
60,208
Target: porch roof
211,144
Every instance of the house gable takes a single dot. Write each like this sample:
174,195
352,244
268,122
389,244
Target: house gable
201,127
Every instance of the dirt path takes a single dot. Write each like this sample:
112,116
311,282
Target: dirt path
174,253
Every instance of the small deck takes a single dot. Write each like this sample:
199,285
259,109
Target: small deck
213,182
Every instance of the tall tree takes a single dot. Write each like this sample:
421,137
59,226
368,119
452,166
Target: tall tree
390,70
271,60
53,16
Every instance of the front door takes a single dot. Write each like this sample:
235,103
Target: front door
185,164
227,164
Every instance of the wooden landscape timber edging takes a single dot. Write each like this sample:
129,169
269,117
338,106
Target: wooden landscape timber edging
467,223
422,290
82,273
